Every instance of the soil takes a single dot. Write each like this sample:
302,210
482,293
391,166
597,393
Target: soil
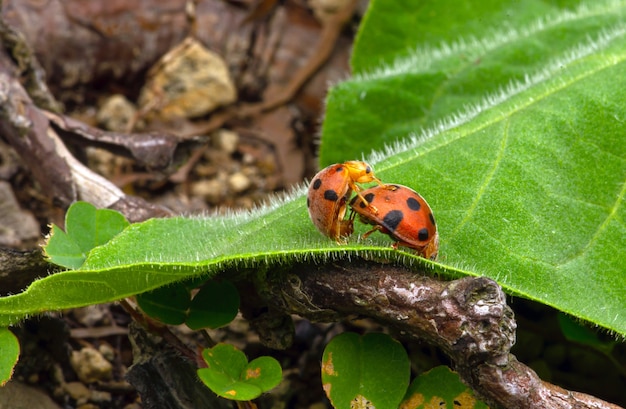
249,55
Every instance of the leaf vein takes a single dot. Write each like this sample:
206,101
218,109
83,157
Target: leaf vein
611,216
489,177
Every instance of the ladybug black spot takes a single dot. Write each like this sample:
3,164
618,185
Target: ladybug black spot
413,203
422,234
317,183
331,195
368,198
393,219
432,218
339,169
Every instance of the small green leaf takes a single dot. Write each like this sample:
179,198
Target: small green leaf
63,250
225,358
373,368
264,372
9,354
91,227
87,228
215,305
168,304
440,388
230,376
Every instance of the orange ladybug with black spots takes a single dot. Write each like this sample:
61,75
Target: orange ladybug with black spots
329,193
402,214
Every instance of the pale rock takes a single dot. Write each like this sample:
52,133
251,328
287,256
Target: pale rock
16,395
226,140
325,9
238,182
187,82
90,365
16,224
77,391
100,396
212,190
116,113
91,315
107,351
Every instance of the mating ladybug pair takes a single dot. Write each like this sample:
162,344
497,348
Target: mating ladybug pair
395,210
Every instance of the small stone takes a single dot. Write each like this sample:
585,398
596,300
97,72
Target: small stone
116,113
212,190
77,391
226,140
16,225
238,182
324,10
107,351
91,315
100,396
90,365
248,159
189,81
87,406
15,394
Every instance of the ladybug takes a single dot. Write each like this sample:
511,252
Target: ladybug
402,214
329,193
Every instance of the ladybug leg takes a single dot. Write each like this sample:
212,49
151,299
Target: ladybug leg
370,206
387,186
375,228
345,229
357,190
398,244
432,248
352,215
429,251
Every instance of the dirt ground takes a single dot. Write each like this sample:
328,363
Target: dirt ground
231,92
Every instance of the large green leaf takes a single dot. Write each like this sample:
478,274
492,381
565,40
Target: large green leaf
518,146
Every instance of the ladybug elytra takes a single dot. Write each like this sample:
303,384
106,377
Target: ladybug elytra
329,193
402,214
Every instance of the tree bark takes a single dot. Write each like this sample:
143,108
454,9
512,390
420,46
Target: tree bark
467,318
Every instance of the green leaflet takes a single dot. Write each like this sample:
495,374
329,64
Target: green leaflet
9,354
440,388
87,227
372,370
231,376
